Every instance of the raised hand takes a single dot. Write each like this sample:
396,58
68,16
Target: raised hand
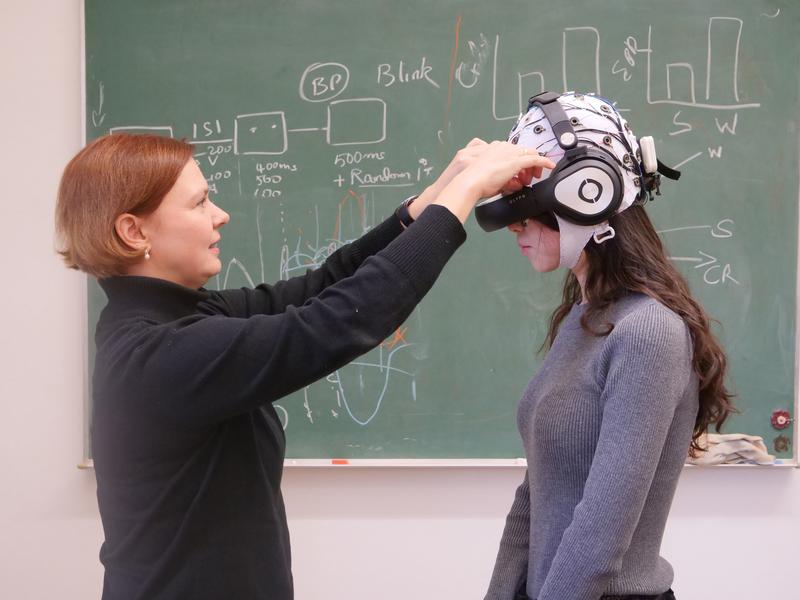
462,159
488,173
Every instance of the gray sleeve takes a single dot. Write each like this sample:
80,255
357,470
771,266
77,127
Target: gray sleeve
511,567
648,370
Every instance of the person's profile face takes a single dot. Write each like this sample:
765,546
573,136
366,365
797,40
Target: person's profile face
184,230
539,244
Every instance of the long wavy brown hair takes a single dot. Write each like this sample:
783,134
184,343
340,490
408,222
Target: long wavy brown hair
635,261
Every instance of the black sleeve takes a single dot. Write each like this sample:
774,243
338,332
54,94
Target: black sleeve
205,368
273,299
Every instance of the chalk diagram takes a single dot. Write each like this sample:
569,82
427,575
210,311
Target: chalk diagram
357,392
719,93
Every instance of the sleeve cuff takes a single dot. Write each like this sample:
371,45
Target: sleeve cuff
424,248
377,238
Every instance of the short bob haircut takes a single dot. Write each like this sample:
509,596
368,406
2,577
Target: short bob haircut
113,175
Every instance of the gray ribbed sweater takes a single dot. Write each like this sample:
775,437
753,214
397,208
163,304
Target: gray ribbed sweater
606,425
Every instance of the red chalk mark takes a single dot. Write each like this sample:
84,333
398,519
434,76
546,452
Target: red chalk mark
350,196
399,336
453,58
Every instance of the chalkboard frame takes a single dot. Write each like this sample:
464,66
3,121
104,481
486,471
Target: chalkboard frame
87,463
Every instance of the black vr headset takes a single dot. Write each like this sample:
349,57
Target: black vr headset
585,187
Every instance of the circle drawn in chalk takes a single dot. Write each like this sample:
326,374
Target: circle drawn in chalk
321,82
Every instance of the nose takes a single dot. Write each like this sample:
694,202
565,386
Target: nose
221,217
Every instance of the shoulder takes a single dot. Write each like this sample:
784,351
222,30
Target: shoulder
640,309
646,325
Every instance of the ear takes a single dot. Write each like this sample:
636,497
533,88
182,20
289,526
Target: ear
129,230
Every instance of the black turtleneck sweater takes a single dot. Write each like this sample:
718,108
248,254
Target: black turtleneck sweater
187,447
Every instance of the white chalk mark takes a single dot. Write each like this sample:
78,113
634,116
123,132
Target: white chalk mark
660,231
341,394
334,81
710,260
138,128
261,118
305,404
523,101
239,177
686,126
385,185
649,51
718,231
683,162
691,79
735,59
726,126
596,56
260,240
377,140
200,142
98,116
494,83
235,262
285,419
381,366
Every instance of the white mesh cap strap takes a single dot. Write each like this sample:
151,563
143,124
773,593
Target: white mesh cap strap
573,239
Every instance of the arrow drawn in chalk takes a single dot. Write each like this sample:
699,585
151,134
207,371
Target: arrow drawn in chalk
98,116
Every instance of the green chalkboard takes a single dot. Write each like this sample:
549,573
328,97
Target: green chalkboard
312,120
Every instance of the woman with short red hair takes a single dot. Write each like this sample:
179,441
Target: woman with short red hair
188,449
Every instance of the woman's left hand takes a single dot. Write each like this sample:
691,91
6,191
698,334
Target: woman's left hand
462,159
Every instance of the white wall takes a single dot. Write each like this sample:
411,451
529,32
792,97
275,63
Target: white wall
376,533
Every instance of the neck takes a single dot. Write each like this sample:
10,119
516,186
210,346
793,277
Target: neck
150,268
579,270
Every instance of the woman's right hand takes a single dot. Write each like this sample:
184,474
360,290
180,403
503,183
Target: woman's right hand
498,164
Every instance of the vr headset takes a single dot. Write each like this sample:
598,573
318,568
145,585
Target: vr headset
586,186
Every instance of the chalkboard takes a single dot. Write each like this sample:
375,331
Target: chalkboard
312,120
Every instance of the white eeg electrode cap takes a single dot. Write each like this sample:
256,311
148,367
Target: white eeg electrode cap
597,124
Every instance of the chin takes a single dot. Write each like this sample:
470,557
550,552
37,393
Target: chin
214,269
203,279
545,267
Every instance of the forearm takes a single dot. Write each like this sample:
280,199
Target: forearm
231,365
458,196
273,299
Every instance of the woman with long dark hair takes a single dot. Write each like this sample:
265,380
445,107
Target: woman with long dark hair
632,377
